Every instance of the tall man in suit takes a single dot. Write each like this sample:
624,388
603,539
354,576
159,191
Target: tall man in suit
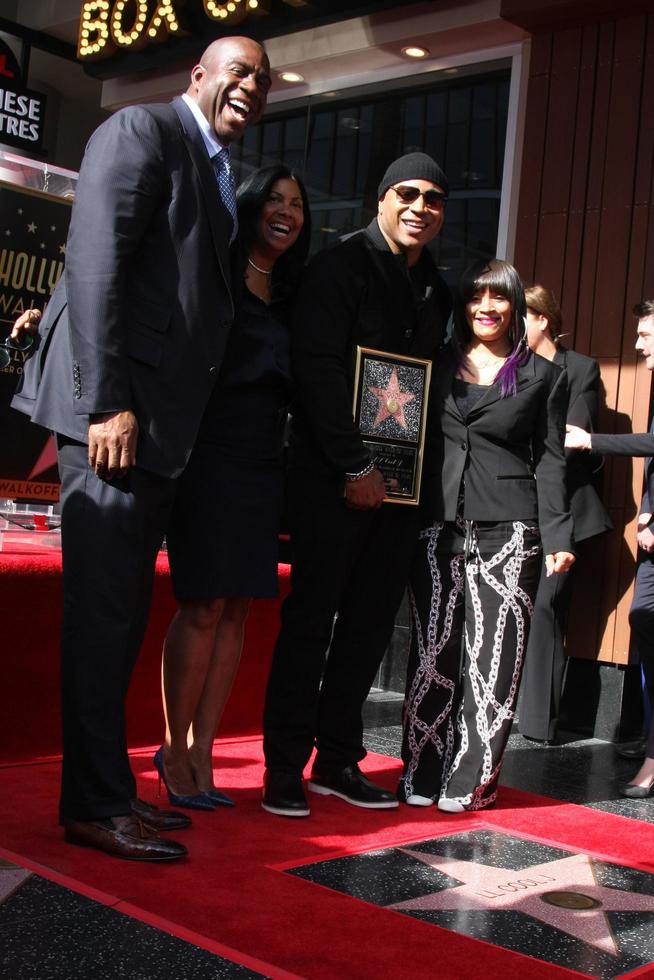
351,553
641,614
142,321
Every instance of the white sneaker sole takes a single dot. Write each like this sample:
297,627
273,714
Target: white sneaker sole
450,806
281,812
326,791
416,800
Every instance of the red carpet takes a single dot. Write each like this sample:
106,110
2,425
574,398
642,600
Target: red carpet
30,589
233,895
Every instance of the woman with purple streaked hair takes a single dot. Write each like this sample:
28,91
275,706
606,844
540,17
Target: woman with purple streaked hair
494,499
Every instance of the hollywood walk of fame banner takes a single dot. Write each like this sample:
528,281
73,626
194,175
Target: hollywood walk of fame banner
33,231
390,409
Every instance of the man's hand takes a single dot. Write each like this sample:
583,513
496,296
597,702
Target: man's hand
27,323
645,540
560,561
576,438
112,444
367,493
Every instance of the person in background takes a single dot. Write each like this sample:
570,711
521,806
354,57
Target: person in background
351,553
495,500
542,680
641,614
142,319
223,535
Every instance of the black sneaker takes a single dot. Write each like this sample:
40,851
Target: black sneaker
283,795
351,785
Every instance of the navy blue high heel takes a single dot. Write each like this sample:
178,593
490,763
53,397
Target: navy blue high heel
199,802
219,798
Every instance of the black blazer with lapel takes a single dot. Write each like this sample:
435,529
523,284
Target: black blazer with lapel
631,444
588,512
143,317
507,455
357,292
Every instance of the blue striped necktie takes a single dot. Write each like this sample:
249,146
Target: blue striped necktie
226,186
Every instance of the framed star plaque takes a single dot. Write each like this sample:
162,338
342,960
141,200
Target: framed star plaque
390,409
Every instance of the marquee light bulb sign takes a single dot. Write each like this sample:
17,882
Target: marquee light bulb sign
107,27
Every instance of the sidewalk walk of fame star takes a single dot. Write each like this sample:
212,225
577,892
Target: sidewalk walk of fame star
531,897
485,887
391,401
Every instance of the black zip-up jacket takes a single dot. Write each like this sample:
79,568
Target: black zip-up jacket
355,293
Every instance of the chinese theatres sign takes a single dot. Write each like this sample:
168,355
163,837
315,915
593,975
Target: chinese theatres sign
22,111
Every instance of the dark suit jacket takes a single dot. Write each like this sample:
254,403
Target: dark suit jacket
143,316
355,293
588,511
631,444
507,455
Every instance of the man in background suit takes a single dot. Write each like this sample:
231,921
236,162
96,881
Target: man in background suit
142,321
641,614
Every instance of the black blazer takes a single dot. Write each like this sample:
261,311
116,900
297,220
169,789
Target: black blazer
144,313
357,292
507,455
631,444
588,512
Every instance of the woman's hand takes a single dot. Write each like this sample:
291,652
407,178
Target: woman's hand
576,438
560,561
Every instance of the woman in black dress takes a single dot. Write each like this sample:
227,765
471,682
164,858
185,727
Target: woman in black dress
222,542
494,493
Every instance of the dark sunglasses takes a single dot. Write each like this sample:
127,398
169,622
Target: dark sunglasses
10,344
433,199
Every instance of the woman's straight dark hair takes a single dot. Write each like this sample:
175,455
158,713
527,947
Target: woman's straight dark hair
500,277
251,196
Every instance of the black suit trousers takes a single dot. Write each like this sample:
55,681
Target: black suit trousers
641,620
111,533
346,562
542,679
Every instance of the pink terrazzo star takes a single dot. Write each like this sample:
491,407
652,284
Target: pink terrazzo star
486,888
391,401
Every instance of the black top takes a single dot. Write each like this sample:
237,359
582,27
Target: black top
466,394
248,406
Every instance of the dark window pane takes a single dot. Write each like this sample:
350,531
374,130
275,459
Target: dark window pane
460,122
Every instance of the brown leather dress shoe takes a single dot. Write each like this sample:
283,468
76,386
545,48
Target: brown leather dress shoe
124,837
159,820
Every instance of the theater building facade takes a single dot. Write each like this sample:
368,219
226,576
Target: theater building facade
541,113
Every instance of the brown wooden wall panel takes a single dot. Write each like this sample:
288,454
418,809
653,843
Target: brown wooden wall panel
586,230
550,252
579,327
600,114
620,169
561,122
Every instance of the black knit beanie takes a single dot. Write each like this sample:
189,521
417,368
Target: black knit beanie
413,166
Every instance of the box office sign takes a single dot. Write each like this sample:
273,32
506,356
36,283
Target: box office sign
33,231
124,27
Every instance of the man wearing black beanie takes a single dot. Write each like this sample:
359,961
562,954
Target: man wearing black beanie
378,288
